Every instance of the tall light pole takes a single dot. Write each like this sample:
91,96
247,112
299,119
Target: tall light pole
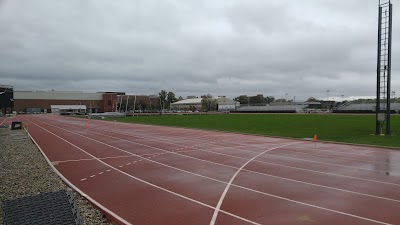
286,96
327,95
134,106
126,105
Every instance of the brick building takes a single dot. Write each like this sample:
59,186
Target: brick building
41,101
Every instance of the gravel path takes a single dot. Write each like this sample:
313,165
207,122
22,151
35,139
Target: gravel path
24,172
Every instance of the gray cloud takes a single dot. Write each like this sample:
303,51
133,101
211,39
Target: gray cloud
302,48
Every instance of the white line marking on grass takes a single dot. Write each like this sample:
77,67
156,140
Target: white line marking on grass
218,207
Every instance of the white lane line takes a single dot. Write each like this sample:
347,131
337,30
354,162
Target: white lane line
101,173
335,157
279,197
92,176
318,162
331,151
148,183
232,156
83,179
244,145
78,160
121,166
3,121
218,207
128,164
105,209
335,164
233,167
313,161
108,170
213,143
303,169
71,160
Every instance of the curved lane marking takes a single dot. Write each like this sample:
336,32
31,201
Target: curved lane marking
218,207
264,193
138,179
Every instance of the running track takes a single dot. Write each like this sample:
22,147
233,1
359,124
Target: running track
141,174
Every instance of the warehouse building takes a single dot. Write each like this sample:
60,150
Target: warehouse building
224,104
41,101
77,102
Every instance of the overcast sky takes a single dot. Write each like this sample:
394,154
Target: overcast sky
192,47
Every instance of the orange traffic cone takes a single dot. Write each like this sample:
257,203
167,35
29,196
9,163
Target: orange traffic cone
315,140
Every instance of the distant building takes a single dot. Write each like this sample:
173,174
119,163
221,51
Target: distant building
187,104
42,101
6,99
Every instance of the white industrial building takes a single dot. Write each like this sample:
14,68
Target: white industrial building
224,104
68,109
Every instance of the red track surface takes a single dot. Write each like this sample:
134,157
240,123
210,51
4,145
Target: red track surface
6,121
142,174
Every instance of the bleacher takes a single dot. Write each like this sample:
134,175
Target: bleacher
364,108
271,109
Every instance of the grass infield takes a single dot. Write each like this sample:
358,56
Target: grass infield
329,127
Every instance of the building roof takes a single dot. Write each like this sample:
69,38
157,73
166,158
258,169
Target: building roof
188,101
221,100
57,95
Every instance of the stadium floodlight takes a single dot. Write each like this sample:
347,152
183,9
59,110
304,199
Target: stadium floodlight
383,70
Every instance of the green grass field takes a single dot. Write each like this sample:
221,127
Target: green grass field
329,127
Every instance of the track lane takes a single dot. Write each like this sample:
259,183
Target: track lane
380,189
200,188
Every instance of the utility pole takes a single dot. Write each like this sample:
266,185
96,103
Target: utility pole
126,105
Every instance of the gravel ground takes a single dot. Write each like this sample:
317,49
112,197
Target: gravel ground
24,172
